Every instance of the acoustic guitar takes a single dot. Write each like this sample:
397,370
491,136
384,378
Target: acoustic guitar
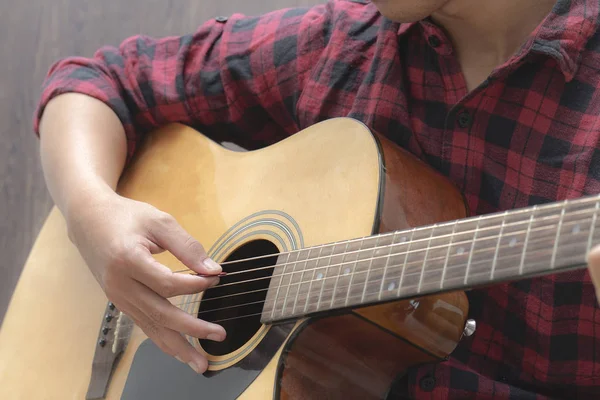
347,262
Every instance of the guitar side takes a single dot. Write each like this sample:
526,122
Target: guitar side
359,355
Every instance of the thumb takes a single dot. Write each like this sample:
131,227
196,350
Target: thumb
168,234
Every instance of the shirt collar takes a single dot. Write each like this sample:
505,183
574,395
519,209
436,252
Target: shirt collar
562,35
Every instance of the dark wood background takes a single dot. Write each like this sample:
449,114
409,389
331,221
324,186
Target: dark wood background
34,34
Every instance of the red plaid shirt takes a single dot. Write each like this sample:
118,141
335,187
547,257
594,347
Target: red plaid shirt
529,134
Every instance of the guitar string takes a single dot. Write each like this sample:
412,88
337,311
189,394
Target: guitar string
405,243
407,265
377,278
409,287
477,251
126,325
501,215
407,253
564,203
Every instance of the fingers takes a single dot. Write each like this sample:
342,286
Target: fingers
145,269
184,351
593,259
169,235
163,313
155,324
173,344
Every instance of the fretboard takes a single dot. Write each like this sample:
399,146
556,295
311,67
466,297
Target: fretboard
457,255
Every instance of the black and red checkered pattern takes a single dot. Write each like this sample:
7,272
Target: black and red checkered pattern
527,135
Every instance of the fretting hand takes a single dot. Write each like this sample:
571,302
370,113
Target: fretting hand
594,268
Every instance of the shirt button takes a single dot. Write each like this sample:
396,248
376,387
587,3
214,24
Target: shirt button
464,119
434,41
221,19
427,383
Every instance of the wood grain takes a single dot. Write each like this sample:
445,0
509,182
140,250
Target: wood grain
345,357
33,35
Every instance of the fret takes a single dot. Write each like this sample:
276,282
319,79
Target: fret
317,281
361,265
315,286
497,250
445,266
377,252
483,249
542,240
344,272
331,278
274,284
460,250
510,249
280,279
476,231
556,237
350,269
310,265
425,260
294,282
435,258
527,234
387,279
398,245
413,264
307,295
375,277
574,233
405,253
593,230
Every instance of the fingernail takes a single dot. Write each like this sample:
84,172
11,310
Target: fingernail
211,265
179,359
214,336
194,366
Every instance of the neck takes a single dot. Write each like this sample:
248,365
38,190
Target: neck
451,256
486,33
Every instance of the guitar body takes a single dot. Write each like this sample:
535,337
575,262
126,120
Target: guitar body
333,181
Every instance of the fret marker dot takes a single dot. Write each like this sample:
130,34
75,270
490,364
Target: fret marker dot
391,286
346,271
403,239
576,229
512,242
460,250
319,276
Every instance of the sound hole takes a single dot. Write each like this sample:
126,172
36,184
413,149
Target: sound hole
236,303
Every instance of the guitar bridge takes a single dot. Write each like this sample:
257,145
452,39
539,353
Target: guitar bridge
113,337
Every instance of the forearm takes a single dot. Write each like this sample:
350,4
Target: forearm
83,151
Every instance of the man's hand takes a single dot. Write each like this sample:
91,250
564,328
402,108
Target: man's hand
594,268
117,237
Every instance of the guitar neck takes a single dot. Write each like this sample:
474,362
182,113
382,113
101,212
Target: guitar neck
456,255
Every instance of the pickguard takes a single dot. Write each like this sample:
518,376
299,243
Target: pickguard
157,376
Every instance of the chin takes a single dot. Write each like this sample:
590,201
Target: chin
408,10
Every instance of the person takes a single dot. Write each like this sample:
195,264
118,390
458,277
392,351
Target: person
502,97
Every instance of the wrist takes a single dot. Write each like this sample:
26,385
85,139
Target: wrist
86,200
